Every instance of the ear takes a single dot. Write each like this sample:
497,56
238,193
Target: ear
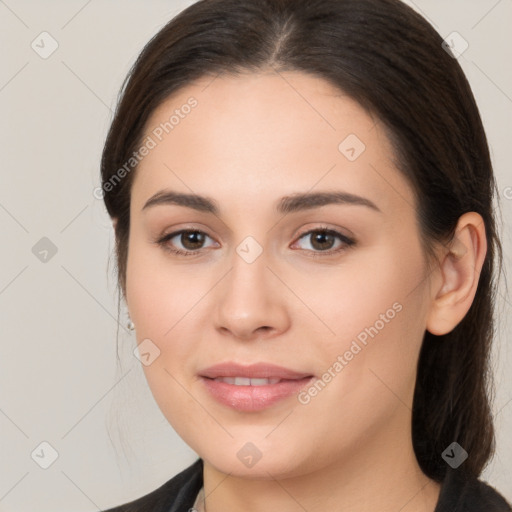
114,222
459,271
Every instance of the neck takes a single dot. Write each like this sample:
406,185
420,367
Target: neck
383,476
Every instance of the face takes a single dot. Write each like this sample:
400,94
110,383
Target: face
332,288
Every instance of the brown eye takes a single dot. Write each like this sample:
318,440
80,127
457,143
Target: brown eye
191,241
323,240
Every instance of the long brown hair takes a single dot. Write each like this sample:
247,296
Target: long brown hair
390,60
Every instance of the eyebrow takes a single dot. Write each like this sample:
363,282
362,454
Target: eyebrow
287,204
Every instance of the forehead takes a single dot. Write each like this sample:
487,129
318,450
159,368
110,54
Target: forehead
267,134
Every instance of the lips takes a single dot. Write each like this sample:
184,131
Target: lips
252,388
253,371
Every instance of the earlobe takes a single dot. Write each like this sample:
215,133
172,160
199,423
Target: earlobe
459,269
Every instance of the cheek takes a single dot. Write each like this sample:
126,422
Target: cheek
158,293
356,295
161,301
376,312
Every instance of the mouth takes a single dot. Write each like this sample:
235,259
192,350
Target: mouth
246,381
256,373
254,387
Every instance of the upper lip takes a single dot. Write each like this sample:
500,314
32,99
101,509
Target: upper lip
253,371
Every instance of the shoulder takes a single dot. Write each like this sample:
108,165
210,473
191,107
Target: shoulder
178,493
463,493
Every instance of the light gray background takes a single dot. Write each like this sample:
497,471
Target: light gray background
59,380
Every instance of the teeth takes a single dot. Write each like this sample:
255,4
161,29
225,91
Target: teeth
246,381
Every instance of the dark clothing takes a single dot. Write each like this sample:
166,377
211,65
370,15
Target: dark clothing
458,494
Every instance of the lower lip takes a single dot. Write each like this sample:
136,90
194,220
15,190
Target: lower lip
253,398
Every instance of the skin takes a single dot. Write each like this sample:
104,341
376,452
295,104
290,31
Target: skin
251,140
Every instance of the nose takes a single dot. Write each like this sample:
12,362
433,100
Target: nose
251,301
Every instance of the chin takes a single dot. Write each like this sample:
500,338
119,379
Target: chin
251,462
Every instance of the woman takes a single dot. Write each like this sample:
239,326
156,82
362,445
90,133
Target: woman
302,199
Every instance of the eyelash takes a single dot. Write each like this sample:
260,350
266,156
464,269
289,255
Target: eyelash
347,242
